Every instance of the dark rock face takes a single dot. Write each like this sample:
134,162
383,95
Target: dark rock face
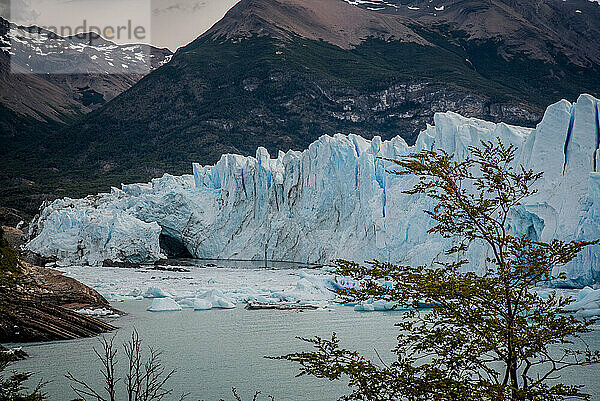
123,265
12,217
36,304
53,287
43,310
47,322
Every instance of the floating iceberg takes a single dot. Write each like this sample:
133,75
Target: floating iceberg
164,305
215,299
375,305
104,312
202,304
587,302
153,292
336,200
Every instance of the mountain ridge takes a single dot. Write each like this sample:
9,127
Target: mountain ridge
48,77
266,85
334,21
526,26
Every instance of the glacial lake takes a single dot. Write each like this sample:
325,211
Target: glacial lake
215,350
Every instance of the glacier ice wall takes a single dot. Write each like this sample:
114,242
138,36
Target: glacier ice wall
336,200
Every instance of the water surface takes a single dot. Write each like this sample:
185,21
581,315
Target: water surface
218,349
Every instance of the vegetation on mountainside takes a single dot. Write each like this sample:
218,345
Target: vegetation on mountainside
9,259
486,337
219,96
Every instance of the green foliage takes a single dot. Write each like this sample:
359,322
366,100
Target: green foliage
12,388
9,259
91,97
197,107
486,337
535,81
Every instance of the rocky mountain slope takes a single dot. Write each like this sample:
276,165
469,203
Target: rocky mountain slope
332,21
48,77
538,29
280,73
73,76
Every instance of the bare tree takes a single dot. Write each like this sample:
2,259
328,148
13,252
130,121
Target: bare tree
145,380
237,397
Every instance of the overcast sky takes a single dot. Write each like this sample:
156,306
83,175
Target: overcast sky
177,22
172,23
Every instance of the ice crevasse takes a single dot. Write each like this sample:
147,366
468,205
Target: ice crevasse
336,199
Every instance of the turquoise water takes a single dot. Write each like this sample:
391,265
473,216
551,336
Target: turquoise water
218,349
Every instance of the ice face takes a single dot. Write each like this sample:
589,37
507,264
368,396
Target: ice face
91,230
336,200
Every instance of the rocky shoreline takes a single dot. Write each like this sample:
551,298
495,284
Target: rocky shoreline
39,304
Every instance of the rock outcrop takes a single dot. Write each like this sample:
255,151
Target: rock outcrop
38,304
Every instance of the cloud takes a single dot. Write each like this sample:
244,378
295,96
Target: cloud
20,11
177,22
179,6
4,9
200,5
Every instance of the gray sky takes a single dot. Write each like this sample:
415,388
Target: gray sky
177,22
169,23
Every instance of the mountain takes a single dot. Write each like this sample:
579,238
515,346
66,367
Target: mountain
337,200
538,29
51,78
48,81
334,22
281,73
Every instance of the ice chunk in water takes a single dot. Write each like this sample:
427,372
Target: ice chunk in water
164,305
364,307
217,299
587,302
202,304
155,292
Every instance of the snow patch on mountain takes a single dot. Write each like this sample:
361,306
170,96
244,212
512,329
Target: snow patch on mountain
38,50
336,200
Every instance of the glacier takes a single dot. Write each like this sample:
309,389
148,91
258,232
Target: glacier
336,199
